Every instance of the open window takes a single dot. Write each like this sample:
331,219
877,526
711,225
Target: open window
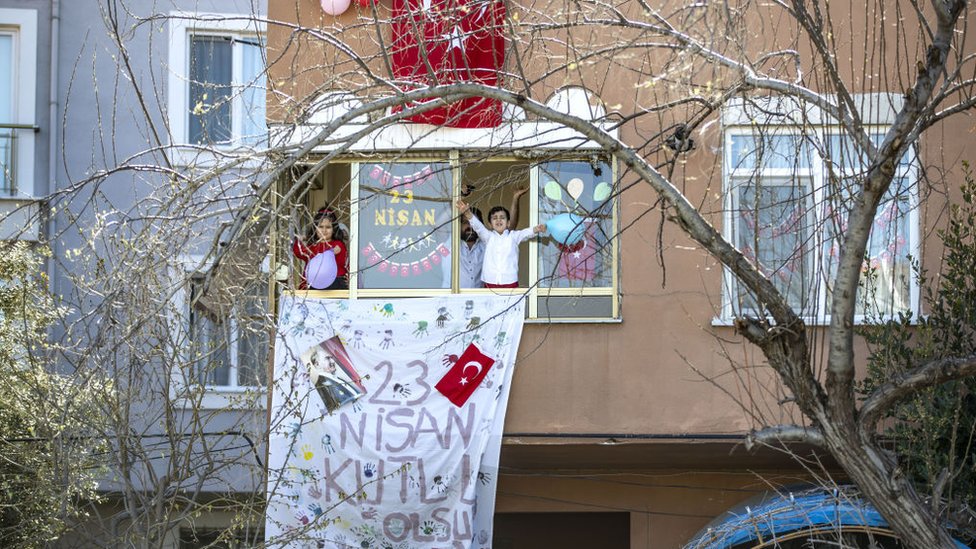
406,237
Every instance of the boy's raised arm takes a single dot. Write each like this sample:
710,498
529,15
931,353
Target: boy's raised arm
483,233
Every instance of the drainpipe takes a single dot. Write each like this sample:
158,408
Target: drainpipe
52,173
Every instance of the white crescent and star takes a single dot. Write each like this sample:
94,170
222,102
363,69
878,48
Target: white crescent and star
456,39
474,363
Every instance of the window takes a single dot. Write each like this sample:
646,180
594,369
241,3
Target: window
583,188
18,90
229,342
405,237
217,85
788,202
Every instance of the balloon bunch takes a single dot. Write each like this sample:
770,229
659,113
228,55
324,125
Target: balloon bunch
567,229
575,188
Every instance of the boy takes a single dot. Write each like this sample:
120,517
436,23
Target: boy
500,267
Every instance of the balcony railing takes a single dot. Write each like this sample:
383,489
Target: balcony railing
8,156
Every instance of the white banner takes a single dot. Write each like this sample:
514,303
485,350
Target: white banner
387,418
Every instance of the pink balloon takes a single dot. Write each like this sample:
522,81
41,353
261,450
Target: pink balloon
321,270
335,7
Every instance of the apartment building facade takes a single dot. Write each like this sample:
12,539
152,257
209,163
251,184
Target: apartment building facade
634,391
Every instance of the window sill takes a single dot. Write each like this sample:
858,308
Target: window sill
574,321
203,156
820,322
227,399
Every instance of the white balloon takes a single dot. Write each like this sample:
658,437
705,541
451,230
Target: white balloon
575,187
335,7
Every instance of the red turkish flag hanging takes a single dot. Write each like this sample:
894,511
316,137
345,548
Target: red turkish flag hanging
437,42
459,383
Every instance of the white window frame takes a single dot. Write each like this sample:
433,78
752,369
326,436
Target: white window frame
817,175
215,397
183,26
22,24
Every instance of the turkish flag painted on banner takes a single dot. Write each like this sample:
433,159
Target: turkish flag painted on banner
437,42
463,378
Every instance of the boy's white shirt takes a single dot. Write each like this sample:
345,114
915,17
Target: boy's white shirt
501,252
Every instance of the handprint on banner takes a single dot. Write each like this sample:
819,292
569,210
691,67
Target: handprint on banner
316,509
387,339
401,390
386,310
421,330
369,513
441,484
327,444
369,470
442,316
307,453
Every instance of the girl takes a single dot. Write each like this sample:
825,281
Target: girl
324,234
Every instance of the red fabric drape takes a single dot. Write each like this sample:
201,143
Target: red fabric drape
437,42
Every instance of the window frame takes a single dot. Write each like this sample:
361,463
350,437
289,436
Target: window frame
817,175
230,326
533,291
191,269
183,26
22,25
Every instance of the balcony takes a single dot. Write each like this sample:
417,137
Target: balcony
18,205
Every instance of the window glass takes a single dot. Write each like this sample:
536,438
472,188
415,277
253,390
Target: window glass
253,94
886,273
252,338
847,157
6,112
772,230
211,74
584,189
6,78
230,343
210,335
769,151
404,231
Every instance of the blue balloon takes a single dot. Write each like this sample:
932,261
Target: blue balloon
566,228
321,270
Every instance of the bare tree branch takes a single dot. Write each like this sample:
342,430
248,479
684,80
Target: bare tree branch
904,385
